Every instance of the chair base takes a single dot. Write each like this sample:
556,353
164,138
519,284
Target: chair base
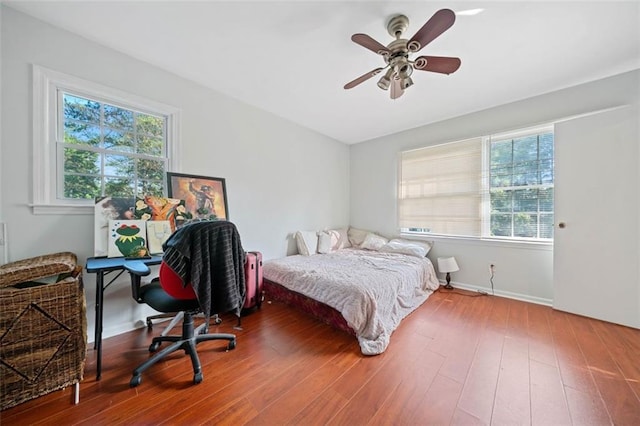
176,316
188,341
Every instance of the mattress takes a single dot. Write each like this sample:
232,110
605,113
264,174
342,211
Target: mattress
372,290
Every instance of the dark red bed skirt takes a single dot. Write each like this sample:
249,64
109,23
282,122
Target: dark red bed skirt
318,310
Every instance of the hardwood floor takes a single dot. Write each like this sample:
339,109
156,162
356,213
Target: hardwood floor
455,360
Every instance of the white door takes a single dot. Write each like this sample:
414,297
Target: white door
597,232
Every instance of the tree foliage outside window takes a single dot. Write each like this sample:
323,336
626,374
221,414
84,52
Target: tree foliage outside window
108,150
521,186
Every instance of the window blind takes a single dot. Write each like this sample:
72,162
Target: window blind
441,188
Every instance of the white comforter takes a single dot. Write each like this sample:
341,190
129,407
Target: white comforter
374,291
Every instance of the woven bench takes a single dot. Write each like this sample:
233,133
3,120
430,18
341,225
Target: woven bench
43,328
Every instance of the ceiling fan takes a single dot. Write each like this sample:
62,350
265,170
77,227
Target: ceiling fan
396,54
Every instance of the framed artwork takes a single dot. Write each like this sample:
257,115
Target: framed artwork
205,197
127,238
155,208
158,231
106,209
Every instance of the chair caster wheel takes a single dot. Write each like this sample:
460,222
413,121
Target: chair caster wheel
197,378
154,347
149,324
232,345
217,321
135,381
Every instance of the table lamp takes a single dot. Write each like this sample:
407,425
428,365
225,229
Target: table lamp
448,264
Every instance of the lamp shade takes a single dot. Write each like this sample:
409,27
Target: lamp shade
447,264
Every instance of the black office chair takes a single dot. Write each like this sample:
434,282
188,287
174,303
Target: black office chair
208,256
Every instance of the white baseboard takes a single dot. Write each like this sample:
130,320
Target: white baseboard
502,293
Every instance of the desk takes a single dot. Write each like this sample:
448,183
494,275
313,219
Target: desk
103,266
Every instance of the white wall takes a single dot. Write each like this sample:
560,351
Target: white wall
522,271
280,177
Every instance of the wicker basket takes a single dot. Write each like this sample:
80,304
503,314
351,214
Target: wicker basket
43,328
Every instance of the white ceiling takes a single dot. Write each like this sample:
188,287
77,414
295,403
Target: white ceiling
292,58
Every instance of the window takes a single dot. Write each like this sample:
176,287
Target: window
499,186
441,189
92,141
521,186
108,150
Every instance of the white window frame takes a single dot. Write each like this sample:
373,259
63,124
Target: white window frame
46,84
486,202
486,198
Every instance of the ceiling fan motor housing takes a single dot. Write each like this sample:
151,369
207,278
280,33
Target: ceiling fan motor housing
398,60
397,25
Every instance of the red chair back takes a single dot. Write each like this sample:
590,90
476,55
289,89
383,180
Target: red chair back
172,284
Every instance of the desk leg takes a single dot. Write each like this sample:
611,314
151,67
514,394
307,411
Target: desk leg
97,343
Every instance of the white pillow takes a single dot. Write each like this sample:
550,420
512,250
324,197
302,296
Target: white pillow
339,238
324,242
357,236
425,245
373,242
307,242
405,247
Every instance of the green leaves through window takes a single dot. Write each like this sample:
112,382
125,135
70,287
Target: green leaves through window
109,150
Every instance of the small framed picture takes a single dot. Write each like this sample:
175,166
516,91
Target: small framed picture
106,209
127,238
158,231
205,197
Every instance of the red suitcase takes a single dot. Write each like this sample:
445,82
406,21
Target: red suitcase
254,281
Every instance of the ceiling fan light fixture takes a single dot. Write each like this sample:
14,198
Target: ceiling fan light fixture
406,82
404,70
385,80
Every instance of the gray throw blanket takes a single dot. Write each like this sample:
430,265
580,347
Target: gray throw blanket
209,255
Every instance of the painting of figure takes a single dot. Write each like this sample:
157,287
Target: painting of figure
205,197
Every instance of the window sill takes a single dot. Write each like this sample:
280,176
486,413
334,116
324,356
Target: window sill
62,209
484,241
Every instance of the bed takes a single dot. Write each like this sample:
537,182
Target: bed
364,292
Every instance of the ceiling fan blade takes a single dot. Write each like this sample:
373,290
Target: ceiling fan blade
396,89
366,41
441,64
362,78
441,21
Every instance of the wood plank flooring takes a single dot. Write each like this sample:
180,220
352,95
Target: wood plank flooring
459,359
